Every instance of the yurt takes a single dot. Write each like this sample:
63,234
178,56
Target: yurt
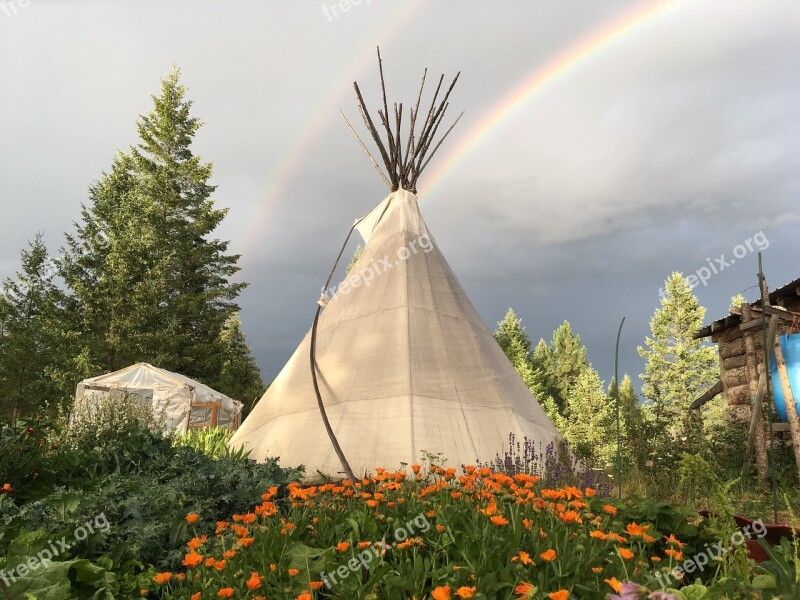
181,402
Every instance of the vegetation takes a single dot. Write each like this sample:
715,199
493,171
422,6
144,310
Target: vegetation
101,504
144,278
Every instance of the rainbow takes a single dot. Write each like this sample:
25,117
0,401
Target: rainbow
542,78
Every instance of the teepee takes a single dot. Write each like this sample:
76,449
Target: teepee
403,363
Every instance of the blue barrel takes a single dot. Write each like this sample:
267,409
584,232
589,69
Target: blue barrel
790,346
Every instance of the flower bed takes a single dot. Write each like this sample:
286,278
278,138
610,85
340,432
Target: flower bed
478,535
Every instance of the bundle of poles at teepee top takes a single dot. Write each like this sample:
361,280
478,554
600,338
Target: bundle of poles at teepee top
403,167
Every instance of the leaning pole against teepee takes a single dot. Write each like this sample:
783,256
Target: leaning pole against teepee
397,362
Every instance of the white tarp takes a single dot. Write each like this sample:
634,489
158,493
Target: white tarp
172,395
405,365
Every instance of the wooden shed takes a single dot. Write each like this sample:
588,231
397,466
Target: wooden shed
739,337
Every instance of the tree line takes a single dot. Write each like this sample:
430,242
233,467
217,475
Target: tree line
678,369
140,278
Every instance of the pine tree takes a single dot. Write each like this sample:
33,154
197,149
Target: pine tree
509,331
148,280
589,424
30,308
240,377
636,429
558,365
678,368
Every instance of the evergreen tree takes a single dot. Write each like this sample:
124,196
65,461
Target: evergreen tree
558,365
512,337
589,423
30,308
678,367
148,280
515,343
634,425
240,377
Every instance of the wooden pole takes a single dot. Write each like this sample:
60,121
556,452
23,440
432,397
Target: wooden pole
761,391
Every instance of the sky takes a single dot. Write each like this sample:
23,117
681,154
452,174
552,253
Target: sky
604,143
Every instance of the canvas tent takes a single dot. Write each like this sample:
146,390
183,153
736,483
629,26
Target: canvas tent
184,403
403,363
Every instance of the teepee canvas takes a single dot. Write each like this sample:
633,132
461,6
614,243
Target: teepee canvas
403,363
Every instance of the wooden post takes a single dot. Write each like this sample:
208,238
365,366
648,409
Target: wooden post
755,421
788,398
757,434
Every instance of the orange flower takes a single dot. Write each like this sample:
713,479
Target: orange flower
634,529
273,567
305,596
609,509
192,559
626,554
466,592
522,557
219,565
597,534
196,596
315,585
441,593
548,555
559,595
293,572
499,521
525,590
415,468
229,553
615,584
196,542
570,516
363,544
225,593
192,518
655,559
676,554
597,570
527,523
440,528
246,541
372,503
342,546
589,492
254,582
673,540
162,578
